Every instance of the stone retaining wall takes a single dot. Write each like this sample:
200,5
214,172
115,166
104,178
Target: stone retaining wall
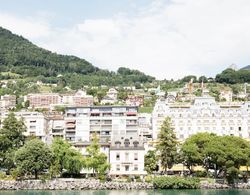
72,184
91,184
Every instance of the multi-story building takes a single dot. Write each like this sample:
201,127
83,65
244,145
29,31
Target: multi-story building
127,156
43,100
106,121
47,100
80,98
35,122
203,115
7,101
56,124
145,125
133,100
226,95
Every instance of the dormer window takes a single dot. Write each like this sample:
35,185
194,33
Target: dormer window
136,143
117,144
126,143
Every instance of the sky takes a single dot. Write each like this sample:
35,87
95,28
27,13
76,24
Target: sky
163,38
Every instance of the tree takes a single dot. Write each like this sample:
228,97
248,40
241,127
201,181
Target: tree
74,161
192,150
151,161
203,79
223,154
167,145
66,157
96,160
11,138
33,158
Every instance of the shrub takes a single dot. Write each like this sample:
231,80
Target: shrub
166,182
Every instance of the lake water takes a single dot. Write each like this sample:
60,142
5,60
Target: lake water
122,192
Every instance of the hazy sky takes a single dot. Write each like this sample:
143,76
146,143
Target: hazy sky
164,38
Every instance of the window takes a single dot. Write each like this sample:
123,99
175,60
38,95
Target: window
117,156
118,167
136,143
239,128
126,167
135,167
126,156
135,156
117,144
126,143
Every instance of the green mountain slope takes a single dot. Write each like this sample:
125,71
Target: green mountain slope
20,56
246,68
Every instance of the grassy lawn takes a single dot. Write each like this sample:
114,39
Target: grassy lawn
45,89
145,109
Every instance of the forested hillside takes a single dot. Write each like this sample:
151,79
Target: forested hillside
19,57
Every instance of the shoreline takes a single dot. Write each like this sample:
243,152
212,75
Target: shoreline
92,184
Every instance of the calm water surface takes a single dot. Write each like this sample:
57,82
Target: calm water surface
122,192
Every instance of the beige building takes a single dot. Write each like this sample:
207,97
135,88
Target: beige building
127,156
7,101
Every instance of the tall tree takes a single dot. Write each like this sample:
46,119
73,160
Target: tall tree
33,158
151,161
167,145
96,160
11,138
66,157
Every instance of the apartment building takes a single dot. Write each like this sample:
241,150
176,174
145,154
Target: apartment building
204,114
127,156
133,100
145,125
47,100
35,122
43,100
106,121
7,101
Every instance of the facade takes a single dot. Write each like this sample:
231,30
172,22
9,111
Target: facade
111,97
226,95
127,156
43,100
35,122
203,115
47,100
145,126
80,98
107,121
134,100
7,101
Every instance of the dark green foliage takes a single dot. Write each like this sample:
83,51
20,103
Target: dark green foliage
151,161
223,154
167,145
11,138
33,158
19,56
231,76
65,158
166,182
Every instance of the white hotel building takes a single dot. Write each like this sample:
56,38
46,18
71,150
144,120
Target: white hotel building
203,115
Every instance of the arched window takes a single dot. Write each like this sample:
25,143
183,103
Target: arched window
117,144
136,143
126,143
